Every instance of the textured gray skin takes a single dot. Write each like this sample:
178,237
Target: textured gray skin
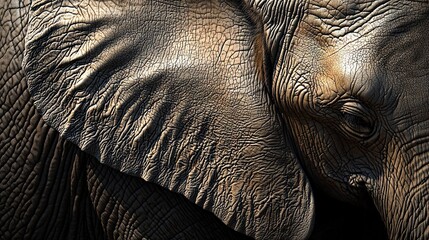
191,113
357,104
202,108
49,189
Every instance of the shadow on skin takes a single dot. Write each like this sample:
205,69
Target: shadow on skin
160,211
339,220
146,210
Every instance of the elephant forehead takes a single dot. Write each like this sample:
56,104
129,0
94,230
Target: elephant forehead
330,21
369,56
402,56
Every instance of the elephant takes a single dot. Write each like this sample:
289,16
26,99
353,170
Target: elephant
214,119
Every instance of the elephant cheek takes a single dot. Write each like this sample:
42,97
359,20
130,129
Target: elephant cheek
402,197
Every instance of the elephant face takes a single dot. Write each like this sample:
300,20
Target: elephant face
353,88
216,99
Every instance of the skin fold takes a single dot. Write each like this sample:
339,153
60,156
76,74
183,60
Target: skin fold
357,105
215,119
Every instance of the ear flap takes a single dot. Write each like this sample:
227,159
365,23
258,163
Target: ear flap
173,92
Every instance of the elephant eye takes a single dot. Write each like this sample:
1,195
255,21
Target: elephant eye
356,120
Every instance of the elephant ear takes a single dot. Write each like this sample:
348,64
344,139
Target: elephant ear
172,92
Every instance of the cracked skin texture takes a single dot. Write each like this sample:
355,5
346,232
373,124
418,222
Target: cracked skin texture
195,119
212,136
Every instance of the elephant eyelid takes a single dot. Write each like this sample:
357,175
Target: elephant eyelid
356,120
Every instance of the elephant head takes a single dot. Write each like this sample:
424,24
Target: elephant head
221,101
352,83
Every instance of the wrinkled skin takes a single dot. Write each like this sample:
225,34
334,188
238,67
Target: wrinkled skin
358,105
210,118
161,92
